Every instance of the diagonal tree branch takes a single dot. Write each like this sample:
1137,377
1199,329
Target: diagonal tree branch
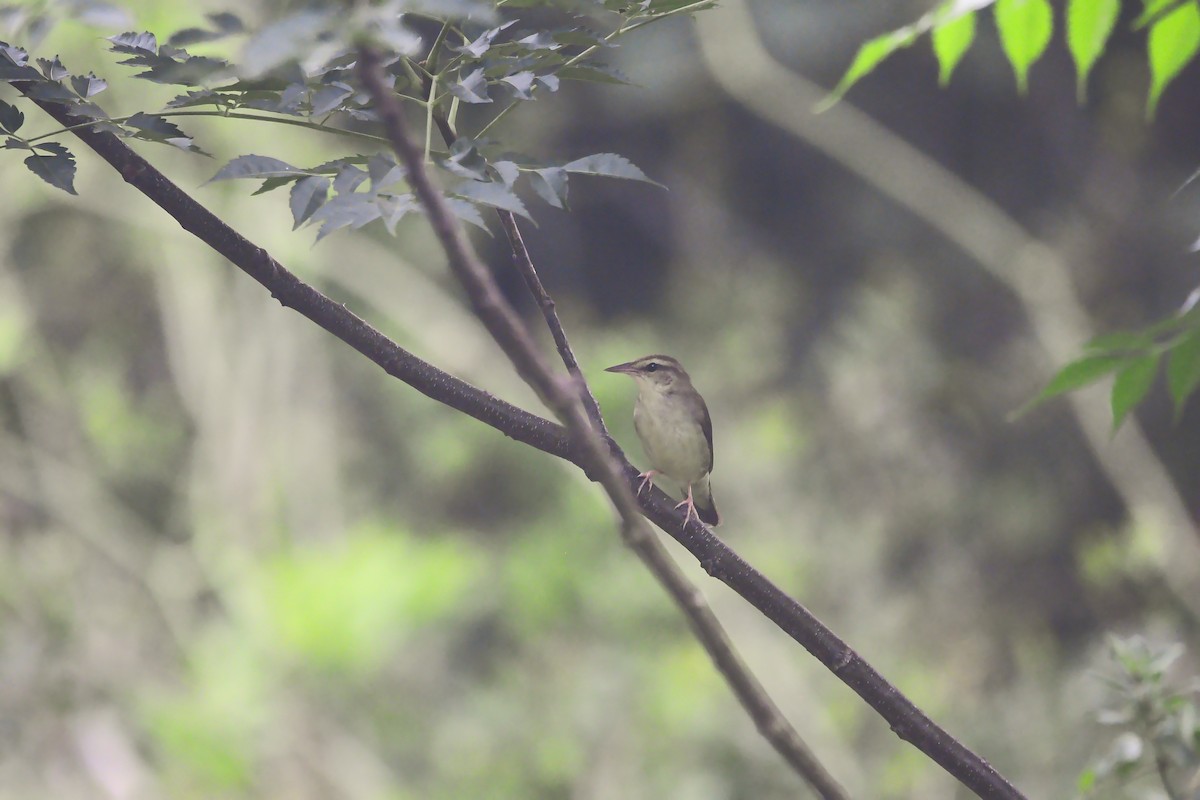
717,558
566,399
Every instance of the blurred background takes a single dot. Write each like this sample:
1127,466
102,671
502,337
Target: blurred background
239,561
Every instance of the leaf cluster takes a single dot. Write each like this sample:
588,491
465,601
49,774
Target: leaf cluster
1026,27
1158,728
298,70
1134,357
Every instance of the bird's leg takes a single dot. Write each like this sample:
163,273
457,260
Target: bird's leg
647,478
691,507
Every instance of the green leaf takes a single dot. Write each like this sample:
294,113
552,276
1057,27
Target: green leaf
1120,342
550,185
1132,383
1172,44
467,212
869,56
609,165
353,210
496,195
307,196
289,38
1025,30
255,167
1090,23
88,85
596,73
11,118
1080,373
951,40
472,88
155,127
57,169
1183,370
1155,10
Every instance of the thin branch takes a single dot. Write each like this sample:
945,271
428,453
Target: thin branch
715,556
515,339
546,303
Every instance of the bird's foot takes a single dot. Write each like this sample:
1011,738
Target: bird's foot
647,478
691,507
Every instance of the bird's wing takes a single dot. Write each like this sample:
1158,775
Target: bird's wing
706,426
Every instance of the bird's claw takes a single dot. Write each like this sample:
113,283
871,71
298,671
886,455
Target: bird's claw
647,478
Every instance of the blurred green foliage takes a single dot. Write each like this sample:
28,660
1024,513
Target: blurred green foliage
238,561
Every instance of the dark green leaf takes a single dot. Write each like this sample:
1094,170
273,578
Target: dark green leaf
484,43
307,196
328,98
1131,385
134,43
349,178
1090,23
346,210
472,88
155,127
396,207
57,169
88,85
11,118
251,166
53,93
383,171
496,195
16,144
1172,44
467,212
1025,30
271,184
609,165
951,40
53,70
15,72
596,73
1183,370
550,185
521,84
508,171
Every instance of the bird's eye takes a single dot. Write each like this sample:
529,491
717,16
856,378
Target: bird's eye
652,367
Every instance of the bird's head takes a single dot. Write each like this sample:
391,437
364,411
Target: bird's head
655,373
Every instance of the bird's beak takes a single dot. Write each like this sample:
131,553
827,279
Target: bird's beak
626,368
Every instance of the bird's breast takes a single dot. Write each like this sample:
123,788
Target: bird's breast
672,437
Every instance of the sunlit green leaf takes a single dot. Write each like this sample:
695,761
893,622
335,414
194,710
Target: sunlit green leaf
1025,29
1131,385
1090,23
1183,370
472,88
1172,44
951,40
869,56
1080,373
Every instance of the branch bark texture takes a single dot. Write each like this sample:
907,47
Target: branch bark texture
568,401
720,561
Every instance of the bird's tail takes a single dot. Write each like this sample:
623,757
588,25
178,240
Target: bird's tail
706,508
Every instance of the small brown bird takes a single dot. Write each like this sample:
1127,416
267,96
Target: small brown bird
672,421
